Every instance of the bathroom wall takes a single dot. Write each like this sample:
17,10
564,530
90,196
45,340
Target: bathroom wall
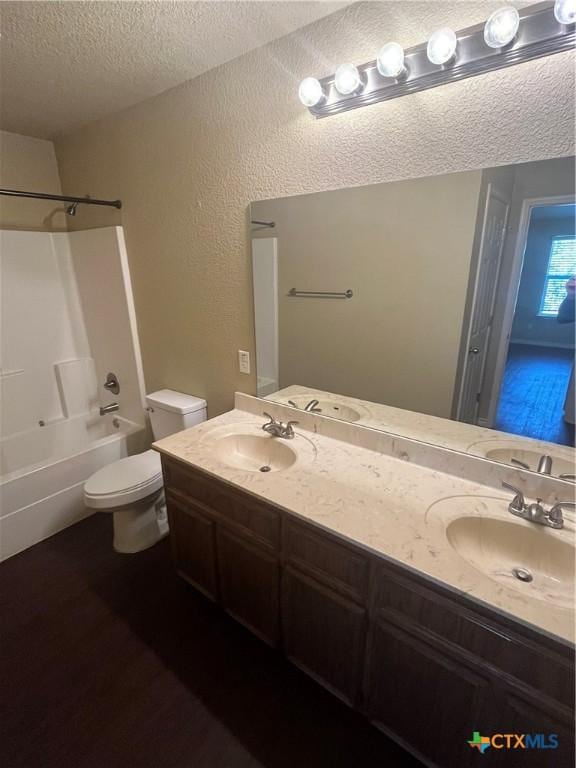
404,249
188,162
29,164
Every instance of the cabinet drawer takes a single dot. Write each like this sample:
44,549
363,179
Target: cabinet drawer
543,665
338,566
238,509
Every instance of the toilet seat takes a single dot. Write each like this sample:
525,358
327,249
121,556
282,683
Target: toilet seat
124,482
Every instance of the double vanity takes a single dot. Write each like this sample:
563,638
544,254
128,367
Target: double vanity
400,575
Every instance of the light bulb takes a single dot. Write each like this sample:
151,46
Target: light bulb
501,27
390,61
310,92
442,46
565,11
347,79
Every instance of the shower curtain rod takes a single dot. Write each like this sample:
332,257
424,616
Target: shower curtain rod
61,198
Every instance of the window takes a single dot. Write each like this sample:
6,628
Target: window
561,267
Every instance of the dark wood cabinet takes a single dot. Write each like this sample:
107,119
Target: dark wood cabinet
522,712
425,664
193,536
324,634
249,584
424,698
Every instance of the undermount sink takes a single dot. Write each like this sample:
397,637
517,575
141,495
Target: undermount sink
254,453
329,408
520,556
560,466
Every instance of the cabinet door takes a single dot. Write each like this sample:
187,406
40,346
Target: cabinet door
249,584
324,634
193,538
522,713
428,700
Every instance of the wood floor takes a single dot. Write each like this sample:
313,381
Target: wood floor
112,661
533,393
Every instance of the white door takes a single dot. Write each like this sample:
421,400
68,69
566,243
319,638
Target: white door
482,313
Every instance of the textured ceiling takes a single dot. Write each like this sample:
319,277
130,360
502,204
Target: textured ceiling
64,64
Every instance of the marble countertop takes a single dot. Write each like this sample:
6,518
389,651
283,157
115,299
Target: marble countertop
393,508
447,433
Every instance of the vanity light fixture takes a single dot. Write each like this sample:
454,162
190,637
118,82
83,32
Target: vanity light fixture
347,79
442,46
565,11
390,61
508,37
501,27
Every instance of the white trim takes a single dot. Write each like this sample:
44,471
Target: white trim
513,287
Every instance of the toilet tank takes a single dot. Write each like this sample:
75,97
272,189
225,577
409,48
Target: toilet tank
171,412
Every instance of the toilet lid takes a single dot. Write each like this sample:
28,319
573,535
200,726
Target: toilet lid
124,481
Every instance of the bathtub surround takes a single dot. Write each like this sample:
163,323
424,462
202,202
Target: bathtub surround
188,162
30,164
67,319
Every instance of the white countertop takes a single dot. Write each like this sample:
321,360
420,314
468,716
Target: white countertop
381,503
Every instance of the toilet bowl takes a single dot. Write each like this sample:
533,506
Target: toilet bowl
132,488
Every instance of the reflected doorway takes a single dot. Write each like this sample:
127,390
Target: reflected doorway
537,392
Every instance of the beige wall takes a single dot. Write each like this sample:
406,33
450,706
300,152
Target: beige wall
29,164
405,250
188,162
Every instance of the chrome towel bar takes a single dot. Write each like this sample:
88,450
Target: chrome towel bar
321,294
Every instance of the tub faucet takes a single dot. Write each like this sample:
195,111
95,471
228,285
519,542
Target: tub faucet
104,409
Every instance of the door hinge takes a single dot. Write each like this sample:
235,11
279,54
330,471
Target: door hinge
478,397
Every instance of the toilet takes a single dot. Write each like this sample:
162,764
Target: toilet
132,488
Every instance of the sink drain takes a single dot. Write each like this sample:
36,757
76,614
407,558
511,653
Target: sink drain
265,468
522,574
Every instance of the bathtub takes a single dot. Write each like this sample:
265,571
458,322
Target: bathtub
42,473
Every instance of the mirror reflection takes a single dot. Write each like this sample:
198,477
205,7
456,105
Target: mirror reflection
441,308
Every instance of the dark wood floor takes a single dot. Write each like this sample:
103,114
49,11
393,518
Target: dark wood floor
533,393
112,661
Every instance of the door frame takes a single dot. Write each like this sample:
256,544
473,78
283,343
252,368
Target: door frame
492,191
503,339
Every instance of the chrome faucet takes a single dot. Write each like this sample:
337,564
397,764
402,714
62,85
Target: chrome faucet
104,409
311,407
277,428
544,466
535,512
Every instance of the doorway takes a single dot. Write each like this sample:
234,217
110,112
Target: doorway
536,395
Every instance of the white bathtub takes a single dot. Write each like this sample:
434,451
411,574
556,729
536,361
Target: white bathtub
42,473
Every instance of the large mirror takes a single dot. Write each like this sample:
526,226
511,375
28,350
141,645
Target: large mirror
441,308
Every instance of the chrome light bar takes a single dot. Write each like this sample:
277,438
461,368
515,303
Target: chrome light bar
539,34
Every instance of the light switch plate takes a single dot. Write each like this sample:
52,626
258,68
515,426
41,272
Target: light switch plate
244,361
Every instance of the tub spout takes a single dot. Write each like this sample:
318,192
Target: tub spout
109,408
